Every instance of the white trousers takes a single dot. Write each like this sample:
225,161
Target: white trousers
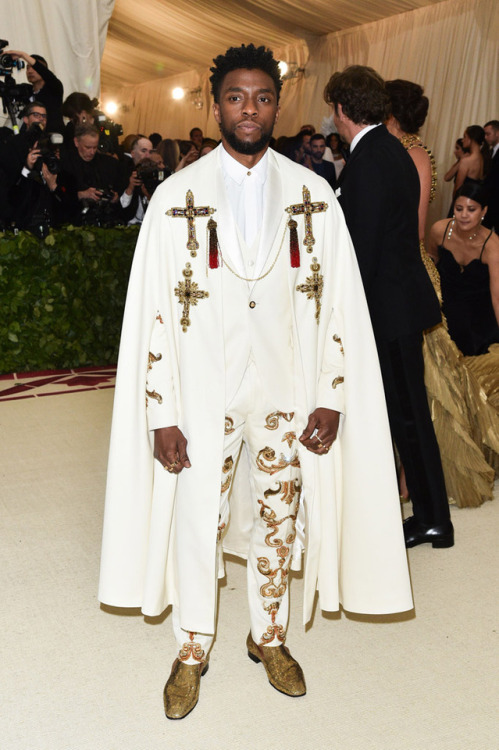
271,442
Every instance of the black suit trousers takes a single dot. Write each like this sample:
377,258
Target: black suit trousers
402,369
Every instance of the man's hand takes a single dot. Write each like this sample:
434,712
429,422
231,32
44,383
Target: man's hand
32,156
50,179
90,193
320,432
133,182
170,449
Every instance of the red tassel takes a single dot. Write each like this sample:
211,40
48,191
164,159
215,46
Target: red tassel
212,244
294,247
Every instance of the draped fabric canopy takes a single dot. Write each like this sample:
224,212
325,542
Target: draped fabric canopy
159,38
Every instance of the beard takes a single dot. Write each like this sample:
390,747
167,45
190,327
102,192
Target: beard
246,147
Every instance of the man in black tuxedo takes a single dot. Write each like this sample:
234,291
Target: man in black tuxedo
491,181
379,193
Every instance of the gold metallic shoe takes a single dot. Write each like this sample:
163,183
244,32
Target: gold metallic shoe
181,691
284,672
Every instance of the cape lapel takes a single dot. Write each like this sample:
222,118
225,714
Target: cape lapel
273,213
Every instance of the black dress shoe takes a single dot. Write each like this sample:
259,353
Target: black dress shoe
416,533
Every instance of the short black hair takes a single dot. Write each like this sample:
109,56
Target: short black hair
318,137
29,108
493,124
248,57
40,59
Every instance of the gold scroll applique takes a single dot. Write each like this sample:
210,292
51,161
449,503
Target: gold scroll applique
268,454
313,287
188,294
338,341
191,212
192,648
229,425
337,381
272,420
156,396
227,469
152,359
307,208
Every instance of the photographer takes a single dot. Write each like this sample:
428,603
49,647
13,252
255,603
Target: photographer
31,196
134,198
150,173
96,178
46,88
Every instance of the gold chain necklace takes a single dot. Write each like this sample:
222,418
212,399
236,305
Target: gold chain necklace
258,278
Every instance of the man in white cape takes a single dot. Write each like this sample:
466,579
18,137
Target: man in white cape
248,370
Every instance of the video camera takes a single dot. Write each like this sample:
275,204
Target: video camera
14,95
48,145
109,132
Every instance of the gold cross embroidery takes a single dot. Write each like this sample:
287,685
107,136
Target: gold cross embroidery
307,208
188,294
190,212
313,287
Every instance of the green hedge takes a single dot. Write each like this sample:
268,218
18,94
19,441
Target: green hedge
62,298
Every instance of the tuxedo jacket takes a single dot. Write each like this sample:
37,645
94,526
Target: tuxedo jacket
491,182
379,195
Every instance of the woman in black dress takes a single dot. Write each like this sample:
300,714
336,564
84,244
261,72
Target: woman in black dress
467,258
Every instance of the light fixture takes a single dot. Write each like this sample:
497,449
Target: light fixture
178,93
110,108
283,68
292,70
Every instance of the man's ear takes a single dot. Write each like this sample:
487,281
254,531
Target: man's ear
216,112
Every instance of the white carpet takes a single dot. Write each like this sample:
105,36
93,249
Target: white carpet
76,677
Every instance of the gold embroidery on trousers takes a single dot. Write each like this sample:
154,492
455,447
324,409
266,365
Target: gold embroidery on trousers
313,288
272,420
338,341
152,359
158,317
273,631
227,469
188,294
338,381
268,454
288,491
156,396
289,438
191,649
229,425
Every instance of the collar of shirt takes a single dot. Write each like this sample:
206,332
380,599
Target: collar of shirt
494,150
237,171
361,134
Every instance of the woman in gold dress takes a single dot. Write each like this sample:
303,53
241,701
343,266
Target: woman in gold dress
465,421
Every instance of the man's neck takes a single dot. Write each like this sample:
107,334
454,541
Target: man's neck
247,160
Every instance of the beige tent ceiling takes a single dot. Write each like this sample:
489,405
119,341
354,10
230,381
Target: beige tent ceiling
154,39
